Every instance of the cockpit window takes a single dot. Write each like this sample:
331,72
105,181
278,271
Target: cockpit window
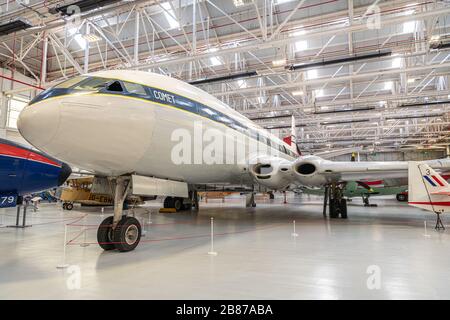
92,83
115,86
69,83
135,88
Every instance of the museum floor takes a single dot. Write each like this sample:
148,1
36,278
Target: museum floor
379,252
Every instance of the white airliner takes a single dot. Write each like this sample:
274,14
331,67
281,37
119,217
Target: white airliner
149,134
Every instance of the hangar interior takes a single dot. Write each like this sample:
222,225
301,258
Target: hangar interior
362,79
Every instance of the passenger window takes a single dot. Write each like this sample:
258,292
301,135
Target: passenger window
135,88
185,104
208,112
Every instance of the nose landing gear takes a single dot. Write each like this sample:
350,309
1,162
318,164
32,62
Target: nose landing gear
119,231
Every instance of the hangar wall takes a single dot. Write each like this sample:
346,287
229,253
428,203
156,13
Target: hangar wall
12,90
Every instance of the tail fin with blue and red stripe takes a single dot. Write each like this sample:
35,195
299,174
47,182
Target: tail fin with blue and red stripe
427,189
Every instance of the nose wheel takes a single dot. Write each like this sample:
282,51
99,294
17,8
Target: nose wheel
124,237
119,231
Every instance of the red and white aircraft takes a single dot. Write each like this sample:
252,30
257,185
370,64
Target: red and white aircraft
428,190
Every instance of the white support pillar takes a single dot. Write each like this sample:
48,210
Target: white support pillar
136,36
44,61
3,113
86,51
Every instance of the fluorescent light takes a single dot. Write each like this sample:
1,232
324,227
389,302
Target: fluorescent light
311,74
297,32
408,12
409,27
170,16
240,3
91,37
318,93
215,61
396,63
279,62
78,38
388,85
242,84
283,1
411,80
301,45
297,93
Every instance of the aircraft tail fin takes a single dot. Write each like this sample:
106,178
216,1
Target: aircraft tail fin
292,139
427,189
294,136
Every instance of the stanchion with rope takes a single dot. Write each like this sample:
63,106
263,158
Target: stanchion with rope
294,234
212,252
84,230
63,263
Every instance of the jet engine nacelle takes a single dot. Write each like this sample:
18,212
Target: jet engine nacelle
272,172
310,171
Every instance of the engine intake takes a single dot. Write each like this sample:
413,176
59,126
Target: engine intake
305,169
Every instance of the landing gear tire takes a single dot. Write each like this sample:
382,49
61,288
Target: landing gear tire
401,197
168,202
343,208
127,234
105,234
64,206
178,204
334,214
69,206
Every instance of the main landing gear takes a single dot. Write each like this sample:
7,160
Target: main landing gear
119,231
181,204
250,200
365,199
335,201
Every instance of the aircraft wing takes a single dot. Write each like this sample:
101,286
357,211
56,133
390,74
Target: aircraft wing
277,173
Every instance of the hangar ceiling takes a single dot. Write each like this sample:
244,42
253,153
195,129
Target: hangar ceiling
354,73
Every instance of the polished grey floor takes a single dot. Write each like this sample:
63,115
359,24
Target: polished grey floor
382,252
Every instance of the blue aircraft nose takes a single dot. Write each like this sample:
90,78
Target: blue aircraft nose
65,172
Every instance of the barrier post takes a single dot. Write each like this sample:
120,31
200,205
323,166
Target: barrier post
64,264
294,234
85,229
212,252
143,227
425,228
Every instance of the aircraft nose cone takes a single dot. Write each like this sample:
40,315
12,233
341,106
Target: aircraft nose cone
39,124
66,171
